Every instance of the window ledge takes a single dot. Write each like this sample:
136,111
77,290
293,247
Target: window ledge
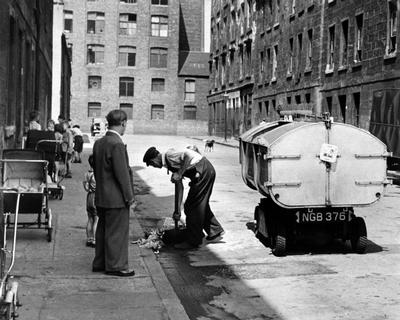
292,16
329,69
268,30
301,12
357,65
273,80
289,75
342,68
276,25
389,56
307,70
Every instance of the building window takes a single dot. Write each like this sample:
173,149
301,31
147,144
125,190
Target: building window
329,104
223,69
189,112
190,90
127,108
291,53
94,109
127,56
159,2
274,62
358,38
233,25
331,48
391,36
127,1
94,82
157,84
157,112
127,24
299,50
95,53
248,59
159,26
126,87
344,42
95,22
216,78
262,65
309,49
343,107
68,20
232,66
158,57
356,98
241,61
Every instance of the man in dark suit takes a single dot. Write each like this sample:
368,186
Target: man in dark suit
113,198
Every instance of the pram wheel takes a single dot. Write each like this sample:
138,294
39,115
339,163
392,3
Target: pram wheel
5,311
49,234
61,194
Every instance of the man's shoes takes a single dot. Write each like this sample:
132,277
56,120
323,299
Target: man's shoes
94,269
121,273
184,246
216,237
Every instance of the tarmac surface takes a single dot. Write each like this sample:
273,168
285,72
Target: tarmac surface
236,278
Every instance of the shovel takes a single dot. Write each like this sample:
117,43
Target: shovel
177,208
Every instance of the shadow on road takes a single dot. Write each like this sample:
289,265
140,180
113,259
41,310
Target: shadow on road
200,296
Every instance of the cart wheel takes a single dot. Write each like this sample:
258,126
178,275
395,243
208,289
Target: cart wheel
61,194
358,237
6,311
49,234
266,241
279,243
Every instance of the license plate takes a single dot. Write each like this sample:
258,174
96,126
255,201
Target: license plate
323,216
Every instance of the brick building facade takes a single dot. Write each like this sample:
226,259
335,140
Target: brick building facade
129,54
320,56
25,66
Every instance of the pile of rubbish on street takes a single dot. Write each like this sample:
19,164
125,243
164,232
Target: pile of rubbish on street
157,238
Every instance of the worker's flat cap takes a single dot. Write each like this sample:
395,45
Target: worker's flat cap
150,154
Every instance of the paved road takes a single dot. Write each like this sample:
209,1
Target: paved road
234,279
240,279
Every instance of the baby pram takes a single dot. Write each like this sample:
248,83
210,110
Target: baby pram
26,171
9,301
45,141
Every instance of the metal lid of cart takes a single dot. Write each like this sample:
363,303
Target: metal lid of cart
314,164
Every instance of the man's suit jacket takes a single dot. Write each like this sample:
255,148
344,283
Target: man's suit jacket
114,187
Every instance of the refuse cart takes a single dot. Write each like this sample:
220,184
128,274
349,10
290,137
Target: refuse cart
312,174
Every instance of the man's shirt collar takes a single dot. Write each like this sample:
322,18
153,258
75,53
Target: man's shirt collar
113,131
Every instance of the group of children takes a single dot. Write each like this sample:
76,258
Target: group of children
71,145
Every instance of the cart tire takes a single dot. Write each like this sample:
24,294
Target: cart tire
49,234
358,236
61,194
279,243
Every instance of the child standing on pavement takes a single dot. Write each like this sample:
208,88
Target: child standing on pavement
90,186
